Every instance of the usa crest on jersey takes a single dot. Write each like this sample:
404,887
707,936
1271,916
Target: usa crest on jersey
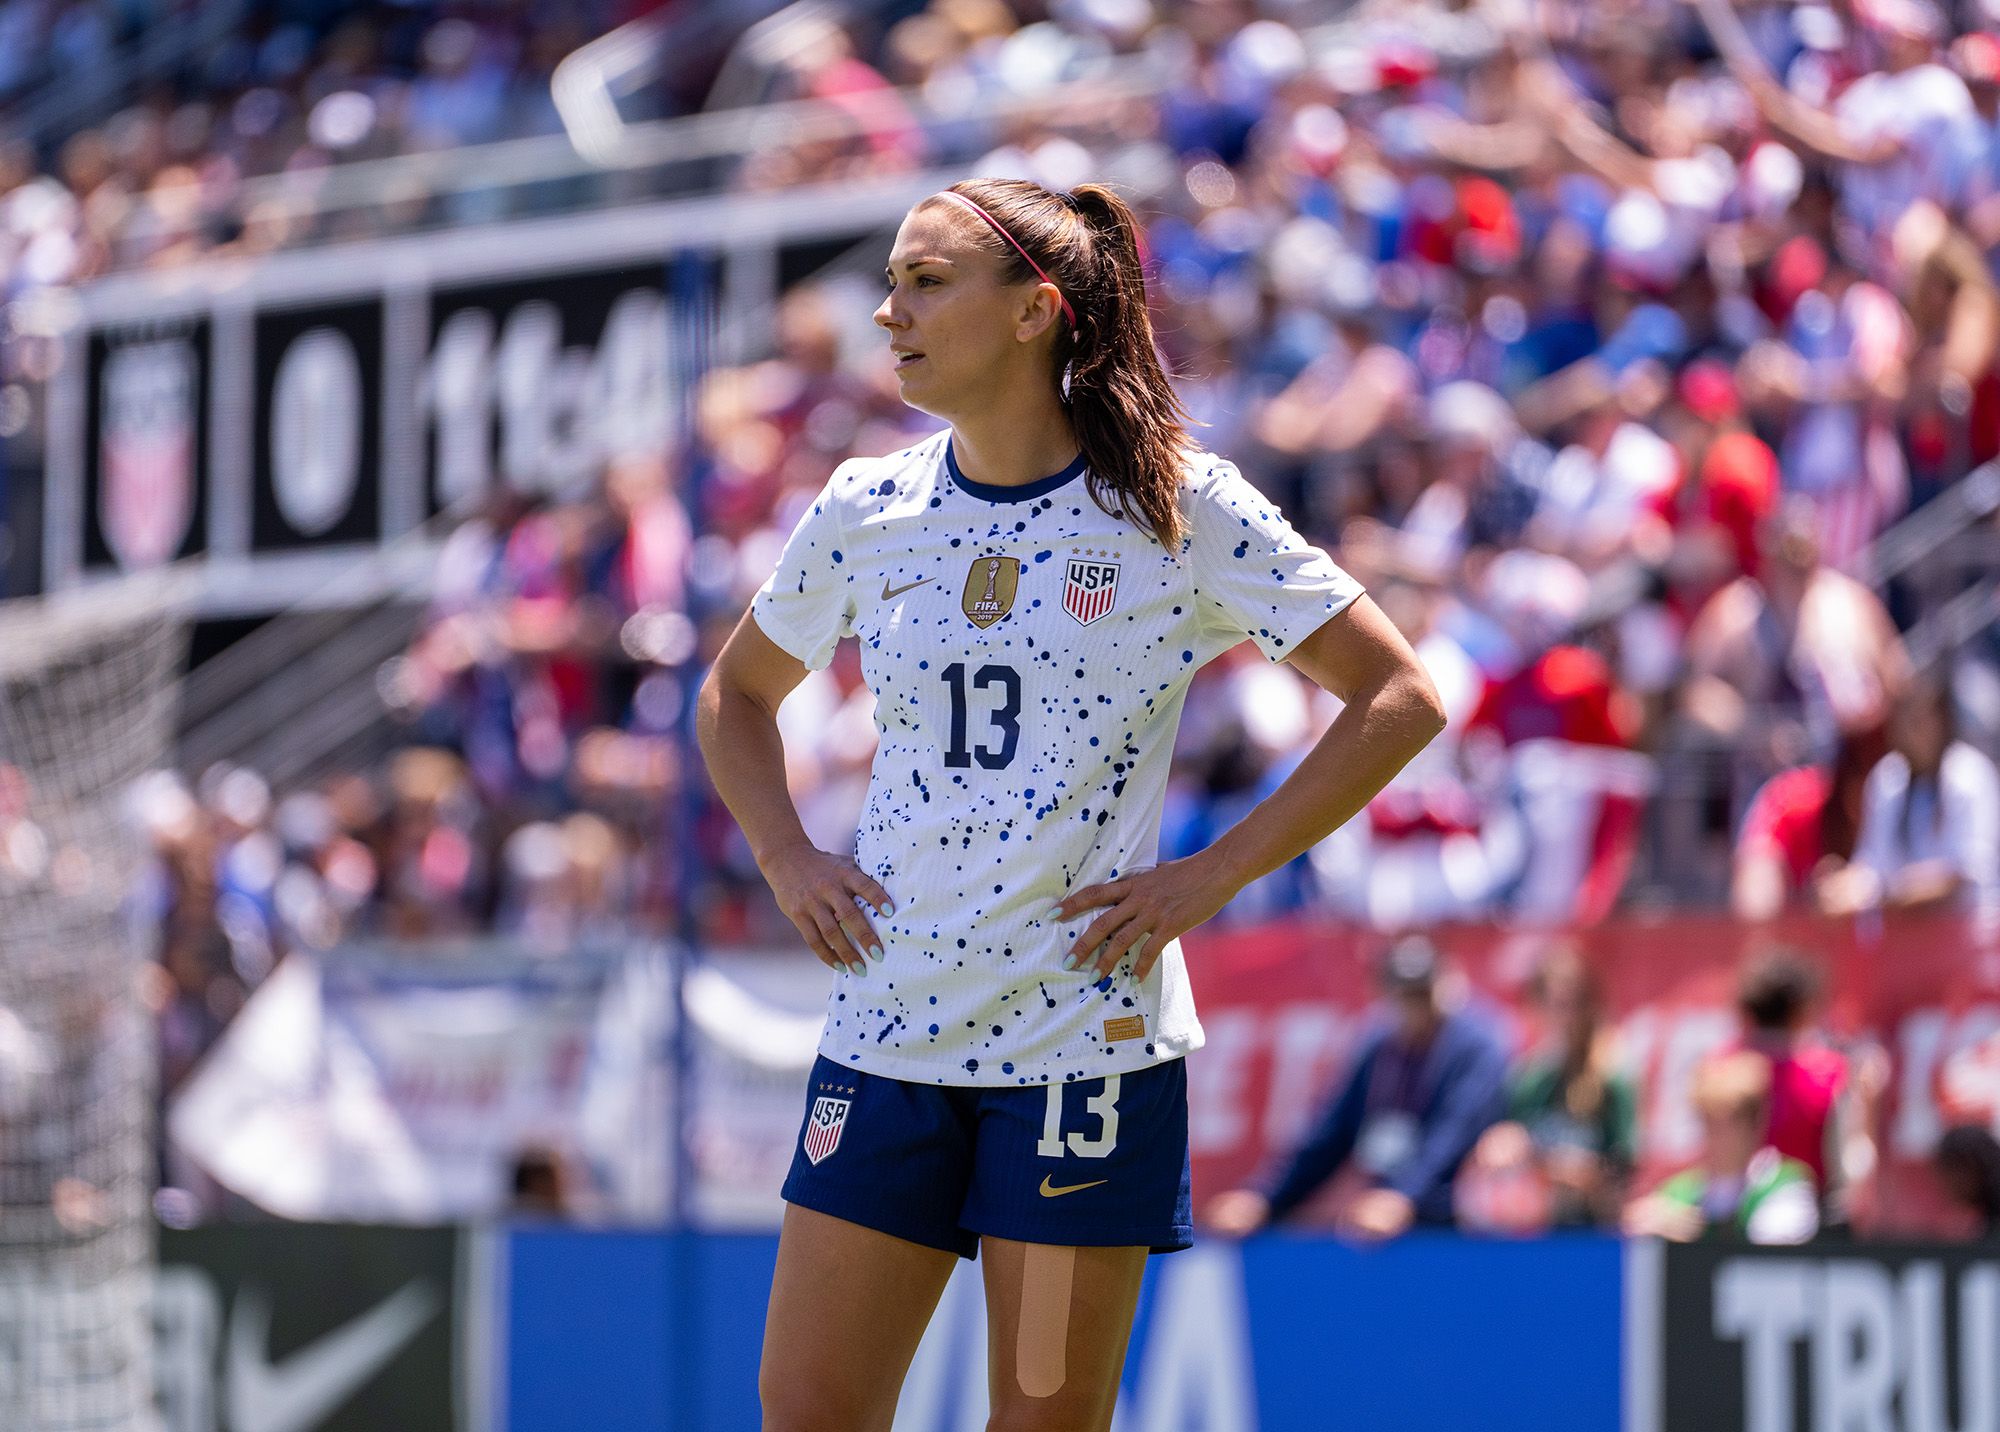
829,1117
1090,588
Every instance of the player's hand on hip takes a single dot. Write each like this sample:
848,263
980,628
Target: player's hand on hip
1142,912
821,893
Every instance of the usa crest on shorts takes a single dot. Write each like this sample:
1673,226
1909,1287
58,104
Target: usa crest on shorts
1090,588
829,1117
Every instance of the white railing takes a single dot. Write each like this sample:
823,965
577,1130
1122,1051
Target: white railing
686,140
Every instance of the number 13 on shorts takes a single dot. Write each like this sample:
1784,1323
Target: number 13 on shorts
1103,1105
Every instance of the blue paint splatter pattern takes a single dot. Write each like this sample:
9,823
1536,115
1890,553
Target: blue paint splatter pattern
985,807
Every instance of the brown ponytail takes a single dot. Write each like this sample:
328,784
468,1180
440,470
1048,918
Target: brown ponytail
1128,420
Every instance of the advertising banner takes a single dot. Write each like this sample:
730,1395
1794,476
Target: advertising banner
1286,1333
302,1328
392,1094
405,1087
286,418
1893,1338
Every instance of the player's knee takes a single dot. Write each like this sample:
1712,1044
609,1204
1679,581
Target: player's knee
1046,1414
792,1407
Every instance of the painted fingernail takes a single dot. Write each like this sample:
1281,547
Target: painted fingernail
859,968
875,953
885,909
1069,960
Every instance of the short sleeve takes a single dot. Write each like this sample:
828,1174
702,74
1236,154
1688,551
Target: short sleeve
806,604
1254,575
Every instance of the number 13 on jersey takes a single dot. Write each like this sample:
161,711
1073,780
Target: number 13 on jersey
1005,717
1102,1105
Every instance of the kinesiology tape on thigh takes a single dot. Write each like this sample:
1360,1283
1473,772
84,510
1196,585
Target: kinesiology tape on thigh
1041,1336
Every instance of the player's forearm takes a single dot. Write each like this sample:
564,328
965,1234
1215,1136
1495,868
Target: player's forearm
746,764
1374,737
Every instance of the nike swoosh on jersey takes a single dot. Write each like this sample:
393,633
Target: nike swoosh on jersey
1049,1190
296,1395
889,592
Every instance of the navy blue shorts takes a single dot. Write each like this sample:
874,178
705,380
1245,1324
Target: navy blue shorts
1093,1163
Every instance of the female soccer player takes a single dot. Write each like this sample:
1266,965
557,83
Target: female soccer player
1033,590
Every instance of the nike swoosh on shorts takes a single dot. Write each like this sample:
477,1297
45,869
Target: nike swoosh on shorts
1049,1191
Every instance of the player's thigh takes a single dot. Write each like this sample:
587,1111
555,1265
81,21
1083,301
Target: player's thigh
1058,1320
848,1307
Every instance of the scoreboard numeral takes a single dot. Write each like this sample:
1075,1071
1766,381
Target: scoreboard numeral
1006,716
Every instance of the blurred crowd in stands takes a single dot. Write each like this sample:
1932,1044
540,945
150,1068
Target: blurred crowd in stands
295,88
1603,343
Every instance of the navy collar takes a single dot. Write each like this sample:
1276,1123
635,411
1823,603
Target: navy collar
992,492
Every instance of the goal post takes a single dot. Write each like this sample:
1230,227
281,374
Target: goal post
88,685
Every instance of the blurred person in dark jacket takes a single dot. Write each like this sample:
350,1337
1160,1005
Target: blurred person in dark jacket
1426,1083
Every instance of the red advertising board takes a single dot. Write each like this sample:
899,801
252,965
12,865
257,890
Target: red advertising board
1283,1003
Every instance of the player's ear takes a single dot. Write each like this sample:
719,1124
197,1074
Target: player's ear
1040,311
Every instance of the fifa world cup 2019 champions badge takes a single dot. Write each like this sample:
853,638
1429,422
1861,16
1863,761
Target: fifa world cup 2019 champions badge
990,588
829,1117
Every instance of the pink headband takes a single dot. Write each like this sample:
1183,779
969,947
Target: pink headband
1068,312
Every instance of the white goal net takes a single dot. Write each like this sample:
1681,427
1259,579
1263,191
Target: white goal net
87,689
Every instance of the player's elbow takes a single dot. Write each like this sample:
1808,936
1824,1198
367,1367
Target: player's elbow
1427,715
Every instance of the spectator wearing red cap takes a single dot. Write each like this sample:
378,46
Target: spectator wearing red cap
1736,473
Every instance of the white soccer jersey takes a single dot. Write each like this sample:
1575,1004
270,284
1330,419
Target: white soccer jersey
1029,654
